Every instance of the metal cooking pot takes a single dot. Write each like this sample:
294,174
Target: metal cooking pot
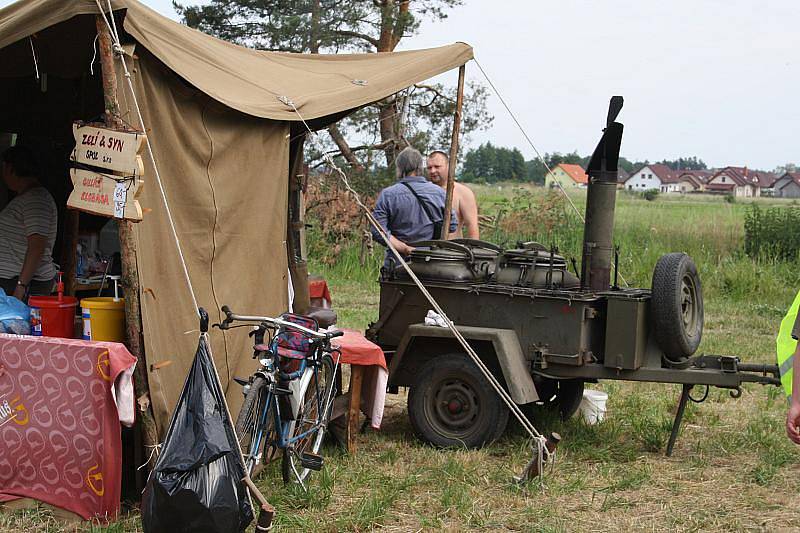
533,267
442,260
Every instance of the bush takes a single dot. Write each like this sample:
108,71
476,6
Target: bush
772,233
730,198
650,194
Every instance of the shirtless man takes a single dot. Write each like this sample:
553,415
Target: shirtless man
464,203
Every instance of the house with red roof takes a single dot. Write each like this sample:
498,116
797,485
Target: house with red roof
693,180
787,186
656,176
741,182
569,176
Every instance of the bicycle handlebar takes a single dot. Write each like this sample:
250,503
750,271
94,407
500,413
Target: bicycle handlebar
231,317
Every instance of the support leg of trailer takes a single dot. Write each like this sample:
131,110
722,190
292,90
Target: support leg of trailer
676,425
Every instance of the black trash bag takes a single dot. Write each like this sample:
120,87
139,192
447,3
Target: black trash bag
197,481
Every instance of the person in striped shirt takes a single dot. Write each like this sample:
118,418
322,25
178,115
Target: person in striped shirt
28,227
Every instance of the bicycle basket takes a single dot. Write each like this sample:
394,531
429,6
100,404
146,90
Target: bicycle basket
294,344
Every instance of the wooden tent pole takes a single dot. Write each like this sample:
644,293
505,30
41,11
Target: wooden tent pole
451,170
130,274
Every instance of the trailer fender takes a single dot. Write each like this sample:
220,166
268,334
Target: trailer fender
506,347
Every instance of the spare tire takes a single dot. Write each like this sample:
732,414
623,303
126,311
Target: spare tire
677,306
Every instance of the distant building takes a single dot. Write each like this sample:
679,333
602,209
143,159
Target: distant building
656,176
693,180
741,182
568,175
622,177
787,186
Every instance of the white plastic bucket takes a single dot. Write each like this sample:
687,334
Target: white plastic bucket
593,406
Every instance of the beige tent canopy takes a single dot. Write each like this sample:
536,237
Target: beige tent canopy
217,118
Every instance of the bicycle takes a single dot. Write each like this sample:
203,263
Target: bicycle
289,399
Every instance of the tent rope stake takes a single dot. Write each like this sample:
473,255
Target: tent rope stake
541,454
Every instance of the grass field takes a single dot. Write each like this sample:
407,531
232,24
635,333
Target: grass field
733,469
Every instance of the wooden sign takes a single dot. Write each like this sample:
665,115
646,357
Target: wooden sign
116,151
101,194
105,148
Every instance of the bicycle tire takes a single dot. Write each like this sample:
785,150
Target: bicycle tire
308,417
247,421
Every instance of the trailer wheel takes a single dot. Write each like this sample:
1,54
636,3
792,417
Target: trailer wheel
561,395
677,306
451,404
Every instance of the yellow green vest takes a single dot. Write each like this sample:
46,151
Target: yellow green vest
786,345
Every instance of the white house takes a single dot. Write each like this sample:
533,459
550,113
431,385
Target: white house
655,176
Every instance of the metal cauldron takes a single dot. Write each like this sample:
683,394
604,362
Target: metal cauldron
461,260
533,266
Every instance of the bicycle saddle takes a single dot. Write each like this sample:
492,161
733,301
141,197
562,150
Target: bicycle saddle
324,317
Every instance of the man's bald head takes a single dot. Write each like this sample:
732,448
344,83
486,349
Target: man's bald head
438,167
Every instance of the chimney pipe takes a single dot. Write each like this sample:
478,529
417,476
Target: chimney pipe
601,201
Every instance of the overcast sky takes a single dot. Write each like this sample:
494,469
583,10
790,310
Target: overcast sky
714,78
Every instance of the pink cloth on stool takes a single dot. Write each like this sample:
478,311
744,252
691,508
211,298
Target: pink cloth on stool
357,350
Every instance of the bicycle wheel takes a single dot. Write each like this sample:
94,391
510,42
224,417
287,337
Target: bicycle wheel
311,422
252,438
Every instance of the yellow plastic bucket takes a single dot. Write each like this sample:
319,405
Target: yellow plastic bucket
103,319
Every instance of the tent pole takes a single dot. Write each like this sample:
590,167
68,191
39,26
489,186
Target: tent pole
68,259
130,274
451,170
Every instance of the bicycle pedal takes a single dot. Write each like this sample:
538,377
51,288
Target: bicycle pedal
311,461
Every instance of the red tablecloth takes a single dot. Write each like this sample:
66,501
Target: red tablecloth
318,288
59,424
357,350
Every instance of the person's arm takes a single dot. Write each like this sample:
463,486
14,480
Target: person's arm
33,256
381,214
793,415
468,208
402,247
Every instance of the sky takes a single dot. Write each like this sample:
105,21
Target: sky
717,79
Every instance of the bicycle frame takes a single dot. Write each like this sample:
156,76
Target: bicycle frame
285,428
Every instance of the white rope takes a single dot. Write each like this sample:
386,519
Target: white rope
120,53
94,54
154,450
35,62
530,142
513,407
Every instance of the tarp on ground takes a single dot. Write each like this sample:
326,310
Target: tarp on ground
220,136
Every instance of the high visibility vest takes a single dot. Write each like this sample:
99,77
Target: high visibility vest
786,345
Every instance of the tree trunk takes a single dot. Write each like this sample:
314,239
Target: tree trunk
394,15
130,274
387,125
313,45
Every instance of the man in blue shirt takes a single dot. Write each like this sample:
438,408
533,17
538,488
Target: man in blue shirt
400,209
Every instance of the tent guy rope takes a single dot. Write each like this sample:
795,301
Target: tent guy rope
538,155
542,454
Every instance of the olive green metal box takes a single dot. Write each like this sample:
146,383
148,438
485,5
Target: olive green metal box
626,331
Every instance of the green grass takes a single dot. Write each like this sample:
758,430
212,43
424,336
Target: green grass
733,469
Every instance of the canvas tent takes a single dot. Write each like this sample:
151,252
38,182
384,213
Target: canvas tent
221,130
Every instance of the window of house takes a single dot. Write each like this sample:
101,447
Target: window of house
723,179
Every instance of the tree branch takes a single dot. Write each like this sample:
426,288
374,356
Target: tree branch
357,35
347,152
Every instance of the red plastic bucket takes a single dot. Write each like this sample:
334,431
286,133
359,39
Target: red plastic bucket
58,317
